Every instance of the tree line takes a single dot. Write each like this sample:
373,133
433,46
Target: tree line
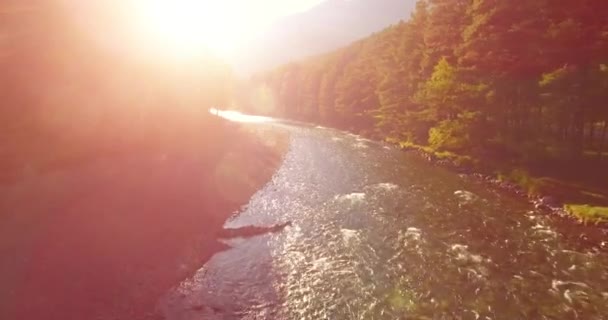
495,78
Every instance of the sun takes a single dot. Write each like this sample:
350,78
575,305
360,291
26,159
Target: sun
189,27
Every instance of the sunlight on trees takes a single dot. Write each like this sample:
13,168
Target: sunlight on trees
467,75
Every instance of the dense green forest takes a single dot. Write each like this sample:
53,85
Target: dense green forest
523,81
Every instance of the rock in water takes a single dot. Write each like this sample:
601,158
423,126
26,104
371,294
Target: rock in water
465,197
251,231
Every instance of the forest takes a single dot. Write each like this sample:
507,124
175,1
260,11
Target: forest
521,82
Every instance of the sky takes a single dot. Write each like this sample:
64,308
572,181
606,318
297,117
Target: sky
221,25
183,27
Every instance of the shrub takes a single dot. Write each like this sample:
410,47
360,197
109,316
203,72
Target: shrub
448,135
587,213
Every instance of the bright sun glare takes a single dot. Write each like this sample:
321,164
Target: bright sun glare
187,27
190,26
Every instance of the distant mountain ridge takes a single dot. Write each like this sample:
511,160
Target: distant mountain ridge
331,24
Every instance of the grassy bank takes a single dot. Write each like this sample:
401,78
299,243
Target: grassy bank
584,199
102,237
587,213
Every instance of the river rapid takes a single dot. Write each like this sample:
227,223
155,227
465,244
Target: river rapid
379,234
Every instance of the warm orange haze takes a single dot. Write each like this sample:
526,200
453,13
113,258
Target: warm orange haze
183,28
303,159
223,27
114,177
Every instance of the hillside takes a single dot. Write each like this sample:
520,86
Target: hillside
328,26
519,86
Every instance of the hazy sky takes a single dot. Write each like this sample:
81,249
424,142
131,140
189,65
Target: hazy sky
278,8
185,26
224,26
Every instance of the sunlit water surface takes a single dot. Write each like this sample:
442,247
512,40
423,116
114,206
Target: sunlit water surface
378,234
238,116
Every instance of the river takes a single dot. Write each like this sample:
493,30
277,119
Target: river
377,233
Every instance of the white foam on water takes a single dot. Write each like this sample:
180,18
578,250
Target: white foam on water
360,139
355,197
408,240
474,258
532,217
321,264
572,290
575,295
459,247
413,233
556,284
349,235
544,230
463,254
336,139
476,314
386,186
465,196
360,145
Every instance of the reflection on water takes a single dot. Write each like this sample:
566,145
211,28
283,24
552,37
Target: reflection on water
237,116
377,234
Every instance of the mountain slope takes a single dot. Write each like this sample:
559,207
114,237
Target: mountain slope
530,106
330,25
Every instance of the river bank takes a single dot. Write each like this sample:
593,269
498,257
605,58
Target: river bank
105,239
581,203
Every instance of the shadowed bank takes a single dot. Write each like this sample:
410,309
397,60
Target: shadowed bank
108,237
114,177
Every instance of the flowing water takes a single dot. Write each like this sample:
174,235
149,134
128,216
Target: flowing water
378,234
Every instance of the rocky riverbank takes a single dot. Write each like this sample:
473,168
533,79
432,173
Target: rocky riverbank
546,198
547,201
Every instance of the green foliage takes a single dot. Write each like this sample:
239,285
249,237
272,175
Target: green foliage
407,145
439,95
533,187
456,160
454,135
521,177
587,213
525,81
448,135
